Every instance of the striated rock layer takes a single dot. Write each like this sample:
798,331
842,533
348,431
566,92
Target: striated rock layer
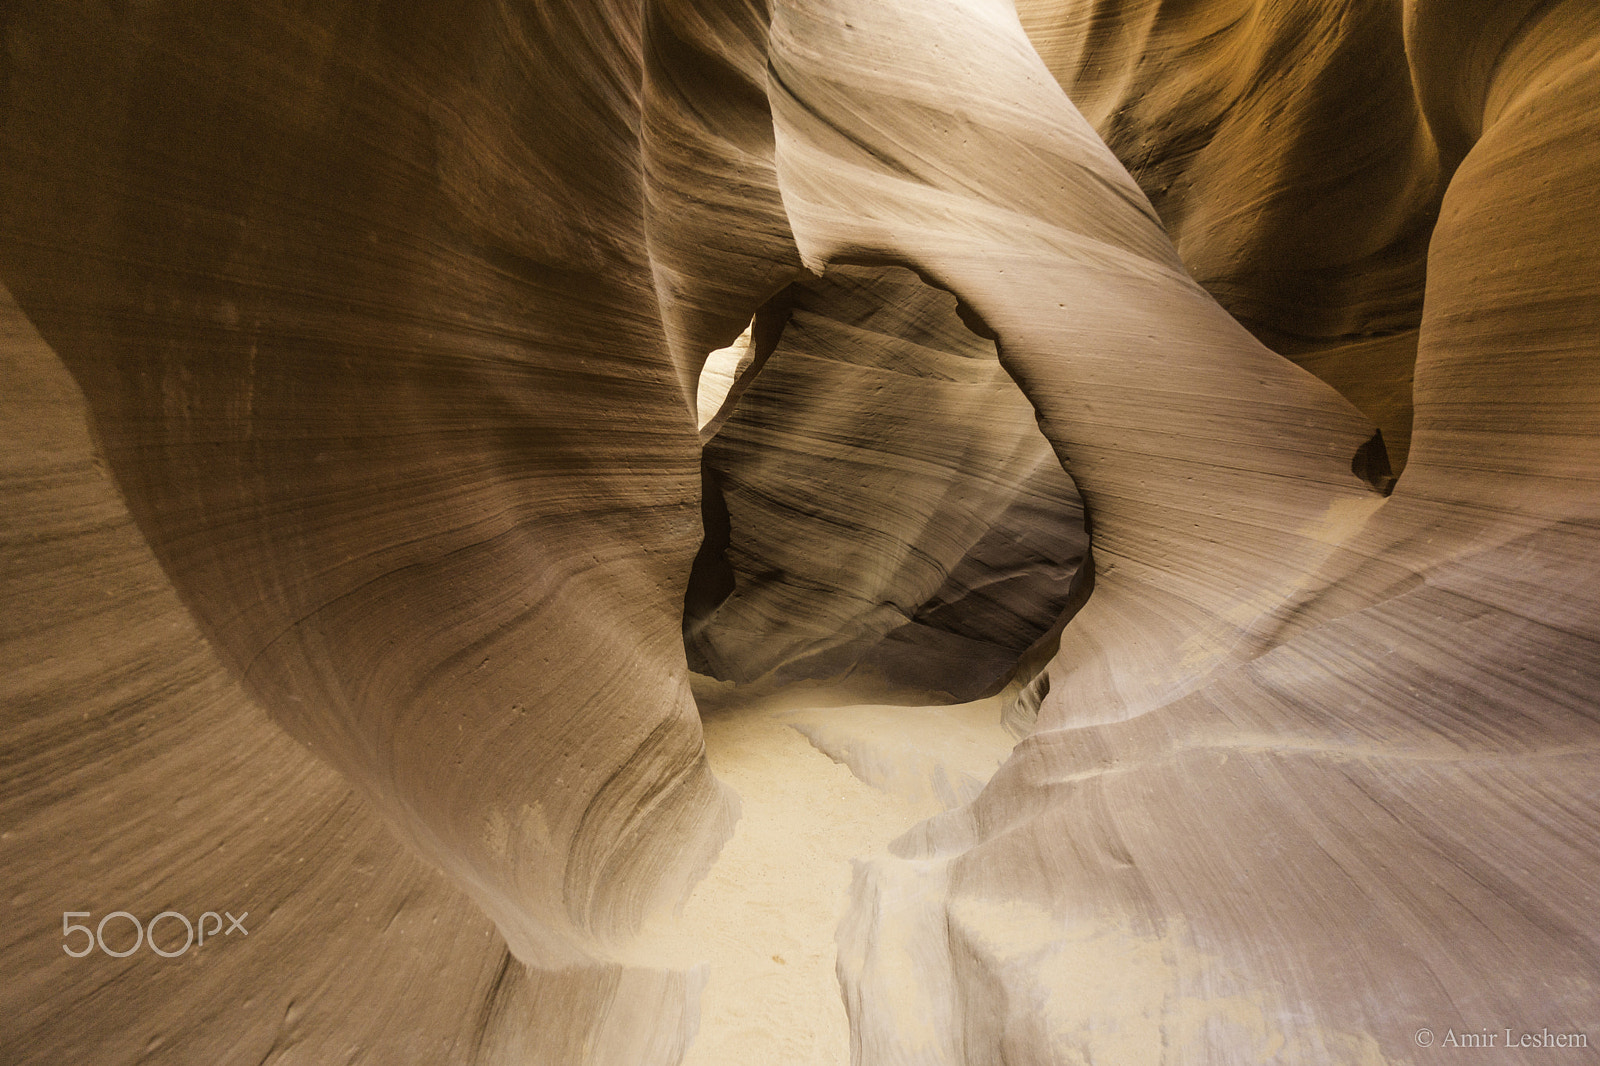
1282,145
1316,770
140,777
363,314
345,580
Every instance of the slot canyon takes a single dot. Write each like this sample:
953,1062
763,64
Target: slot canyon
816,532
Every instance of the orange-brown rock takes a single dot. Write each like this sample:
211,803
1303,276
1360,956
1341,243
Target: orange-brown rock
353,493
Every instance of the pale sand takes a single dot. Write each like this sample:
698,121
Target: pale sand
764,917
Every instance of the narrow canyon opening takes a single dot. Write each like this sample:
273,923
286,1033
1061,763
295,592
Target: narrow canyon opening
881,511
857,609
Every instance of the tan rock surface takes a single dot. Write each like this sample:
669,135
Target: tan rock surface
345,579
1282,146
1292,799
140,777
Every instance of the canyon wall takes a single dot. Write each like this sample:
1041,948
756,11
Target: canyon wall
357,515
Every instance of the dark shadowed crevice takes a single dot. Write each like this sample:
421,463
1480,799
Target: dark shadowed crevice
879,504
711,579
1371,464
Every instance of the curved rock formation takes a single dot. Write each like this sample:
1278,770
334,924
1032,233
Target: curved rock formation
345,579
1291,816
878,423
1282,145
140,777
356,324
366,365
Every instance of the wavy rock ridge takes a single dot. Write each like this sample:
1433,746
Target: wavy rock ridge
354,496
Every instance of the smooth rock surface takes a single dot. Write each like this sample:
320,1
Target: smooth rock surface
354,486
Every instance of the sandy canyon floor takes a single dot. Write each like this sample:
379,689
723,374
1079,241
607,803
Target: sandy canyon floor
763,919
